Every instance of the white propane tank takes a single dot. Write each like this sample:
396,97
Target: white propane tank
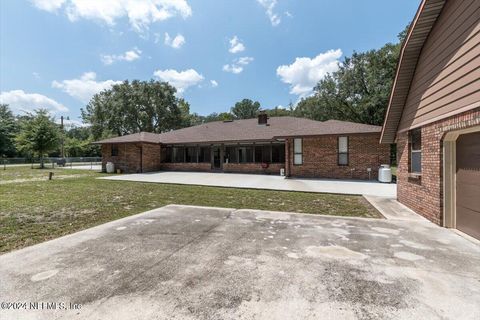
110,167
282,172
385,173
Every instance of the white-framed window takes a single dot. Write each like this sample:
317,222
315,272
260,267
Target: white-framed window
297,151
415,150
343,151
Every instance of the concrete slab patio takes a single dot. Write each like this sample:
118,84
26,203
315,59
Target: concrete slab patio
257,181
181,262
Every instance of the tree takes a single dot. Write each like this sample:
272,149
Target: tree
279,112
135,106
245,109
358,91
8,129
39,135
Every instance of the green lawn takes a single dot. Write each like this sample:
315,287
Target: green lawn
33,209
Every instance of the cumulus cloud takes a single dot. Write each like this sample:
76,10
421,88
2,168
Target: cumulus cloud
303,74
214,83
269,6
181,80
130,55
20,101
85,87
236,45
140,13
176,42
237,65
48,5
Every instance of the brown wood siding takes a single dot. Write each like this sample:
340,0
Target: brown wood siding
447,75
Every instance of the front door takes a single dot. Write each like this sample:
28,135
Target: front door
216,159
468,184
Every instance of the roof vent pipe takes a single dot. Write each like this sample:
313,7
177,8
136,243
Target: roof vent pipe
262,117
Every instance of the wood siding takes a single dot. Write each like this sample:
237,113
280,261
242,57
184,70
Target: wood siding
447,75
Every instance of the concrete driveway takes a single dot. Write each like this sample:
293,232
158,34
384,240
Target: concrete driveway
260,181
181,262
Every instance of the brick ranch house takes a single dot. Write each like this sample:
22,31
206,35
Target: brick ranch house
302,147
434,115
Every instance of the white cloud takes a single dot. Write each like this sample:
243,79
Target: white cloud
303,74
140,13
48,5
238,64
85,87
214,83
20,101
176,42
269,6
179,79
36,75
130,55
236,45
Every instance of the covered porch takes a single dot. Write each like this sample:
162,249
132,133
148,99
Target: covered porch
266,157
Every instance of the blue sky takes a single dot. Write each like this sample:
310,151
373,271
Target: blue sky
58,53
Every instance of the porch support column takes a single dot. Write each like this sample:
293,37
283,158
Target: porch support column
287,157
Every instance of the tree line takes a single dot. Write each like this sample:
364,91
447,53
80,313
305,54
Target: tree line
36,134
358,91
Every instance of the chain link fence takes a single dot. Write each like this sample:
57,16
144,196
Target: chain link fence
52,162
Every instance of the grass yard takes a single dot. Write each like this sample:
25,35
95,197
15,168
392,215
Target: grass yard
33,209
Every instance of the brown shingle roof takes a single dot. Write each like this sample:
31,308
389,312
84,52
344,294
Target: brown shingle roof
250,130
146,137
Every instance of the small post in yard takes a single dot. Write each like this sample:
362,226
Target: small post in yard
50,175
62,151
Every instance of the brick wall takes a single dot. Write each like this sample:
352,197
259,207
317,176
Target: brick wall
273,168
320,157
202,166
151,157
425,195
128,158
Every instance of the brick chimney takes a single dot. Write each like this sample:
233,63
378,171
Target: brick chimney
262,117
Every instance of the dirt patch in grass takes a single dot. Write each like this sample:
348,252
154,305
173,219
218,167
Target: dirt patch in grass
35,211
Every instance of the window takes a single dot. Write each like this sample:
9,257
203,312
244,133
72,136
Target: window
416,151
191,154
114,150
245,154
343,151
263,154
258,154
178,154
204,154
230,155
297,151
278,153
168,154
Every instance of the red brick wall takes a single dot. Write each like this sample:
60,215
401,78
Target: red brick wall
128,159
273,168
320,158
202,166
227,167
151,157
425,195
